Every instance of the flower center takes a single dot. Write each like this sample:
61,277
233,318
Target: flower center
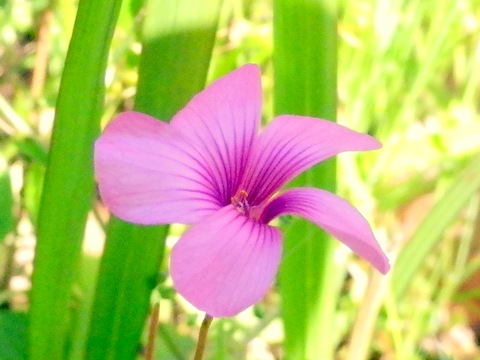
240,201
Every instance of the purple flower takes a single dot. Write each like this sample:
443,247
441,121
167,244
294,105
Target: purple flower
212,168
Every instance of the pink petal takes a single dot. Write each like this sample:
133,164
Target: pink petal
222,121
333,214
291,144
226,263
146,174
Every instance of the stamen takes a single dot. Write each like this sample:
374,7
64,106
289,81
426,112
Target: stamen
241,202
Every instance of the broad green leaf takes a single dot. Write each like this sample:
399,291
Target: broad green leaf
305,84
177,44
68,185
430,231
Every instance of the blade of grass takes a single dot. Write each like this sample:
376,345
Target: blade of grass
69,180
90,261
6,200
305,83
430,230
177,46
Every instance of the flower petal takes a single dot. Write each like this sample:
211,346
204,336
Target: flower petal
333,214
146,175
226,263
222,122
291,144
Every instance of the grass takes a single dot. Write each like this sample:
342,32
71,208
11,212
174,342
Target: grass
407,74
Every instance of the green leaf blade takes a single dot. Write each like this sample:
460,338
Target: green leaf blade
305,84
429,232
69,180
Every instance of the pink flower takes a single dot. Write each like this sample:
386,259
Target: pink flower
211,167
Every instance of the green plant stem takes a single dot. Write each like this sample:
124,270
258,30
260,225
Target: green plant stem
202,337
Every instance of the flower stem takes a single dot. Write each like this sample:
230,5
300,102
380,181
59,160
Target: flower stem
152,332
202,337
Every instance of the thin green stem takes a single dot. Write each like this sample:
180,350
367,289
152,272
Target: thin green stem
202,337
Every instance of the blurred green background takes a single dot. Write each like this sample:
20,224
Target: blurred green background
407,72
